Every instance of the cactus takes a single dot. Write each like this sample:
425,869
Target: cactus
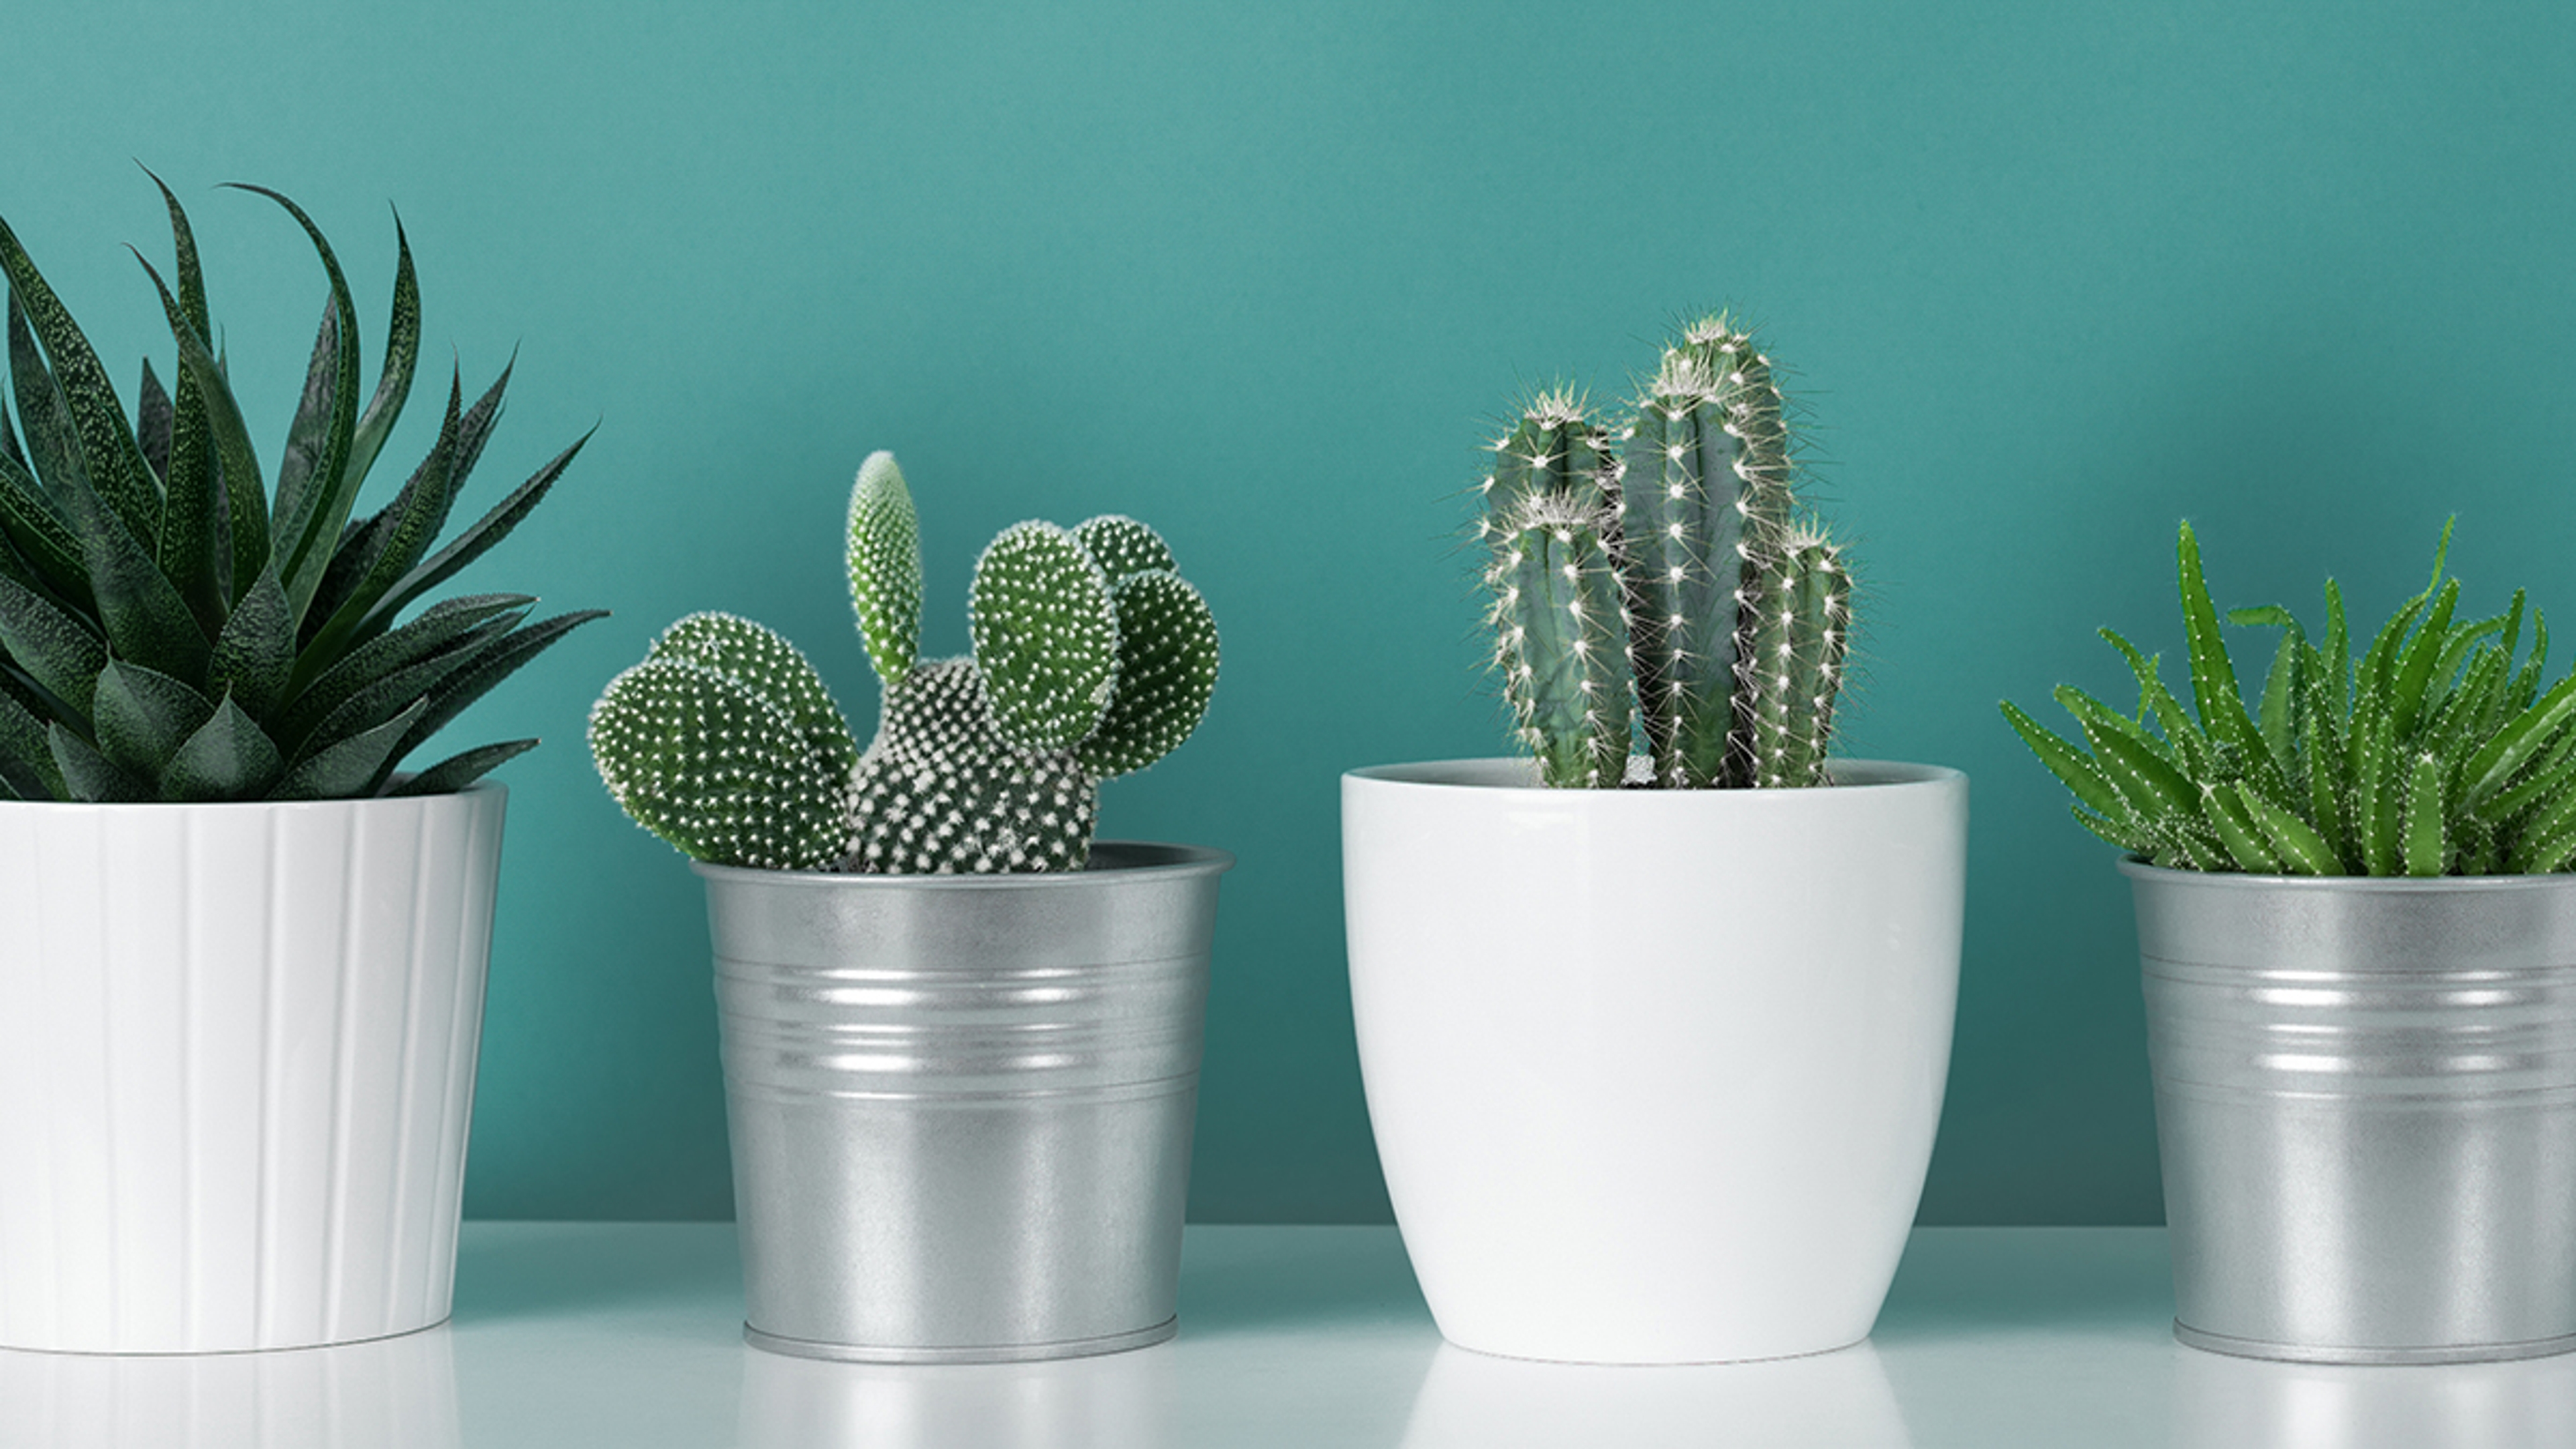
1683,546
173,629
2434,753
1092,659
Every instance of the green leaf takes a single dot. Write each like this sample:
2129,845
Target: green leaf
2550,772
2526,684
255,654
386,697
470,545
56,649
2189,744
416,512
439,627
2071,766
2427,843
2494,765
2281,700
363,546
2237,831
26,761
2149,783
350,768
2414,671
2379,804
2297,845
35,527
144,716
152,420
193,552
228,758
2213,679
402,355
183,244
471,684
315,484
2135,842
460,770
245,504
2338,652
113,460
86,773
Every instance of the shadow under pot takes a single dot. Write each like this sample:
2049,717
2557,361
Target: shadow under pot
961,1104
2366,1107
1654,1073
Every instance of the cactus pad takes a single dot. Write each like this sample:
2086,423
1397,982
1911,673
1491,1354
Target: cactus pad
1122,546
942,792
764,662
1167,661
885,566
1046,636
703,761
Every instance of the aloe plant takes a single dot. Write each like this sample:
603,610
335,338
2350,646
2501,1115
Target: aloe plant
173,628
1093,658
2434,752
1662,570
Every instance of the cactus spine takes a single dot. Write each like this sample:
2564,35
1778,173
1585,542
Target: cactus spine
1093,659
1559,616
1676,570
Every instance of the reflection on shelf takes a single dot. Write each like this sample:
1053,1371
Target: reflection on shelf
2251,1404
1475,1401
1125,1399
395,1393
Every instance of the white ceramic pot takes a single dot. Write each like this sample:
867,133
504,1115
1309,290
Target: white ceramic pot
236,1062
1654,1074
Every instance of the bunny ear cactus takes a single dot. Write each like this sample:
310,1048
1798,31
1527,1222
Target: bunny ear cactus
1661,568
172,629
1092,659
2435,752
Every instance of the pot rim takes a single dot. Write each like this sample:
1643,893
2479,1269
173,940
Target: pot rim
1457,774
1183,860
479,787
2237,880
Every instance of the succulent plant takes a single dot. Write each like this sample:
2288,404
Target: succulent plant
172,629
1092,658
2433,753
1669,562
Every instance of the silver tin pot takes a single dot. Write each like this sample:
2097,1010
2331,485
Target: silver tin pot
2366,1105
961,1105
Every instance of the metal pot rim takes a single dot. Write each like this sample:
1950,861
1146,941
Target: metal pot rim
1517,775
1131,860
2140,870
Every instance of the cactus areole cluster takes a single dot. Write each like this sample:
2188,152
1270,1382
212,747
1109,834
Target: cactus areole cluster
1660,578
1093,658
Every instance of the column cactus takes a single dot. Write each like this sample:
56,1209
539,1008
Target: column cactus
1683,538
1092,659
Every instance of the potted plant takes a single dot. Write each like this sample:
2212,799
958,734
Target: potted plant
961,1042
1654,1041
242,949
2356,924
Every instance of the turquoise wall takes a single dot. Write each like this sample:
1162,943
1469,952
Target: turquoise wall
2050,276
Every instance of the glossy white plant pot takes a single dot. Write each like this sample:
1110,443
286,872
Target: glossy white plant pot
1654,1074
236,1064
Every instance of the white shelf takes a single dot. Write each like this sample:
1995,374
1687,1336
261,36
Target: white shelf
570,1334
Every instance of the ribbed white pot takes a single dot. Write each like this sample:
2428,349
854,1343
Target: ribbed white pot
1654,1073
237,1053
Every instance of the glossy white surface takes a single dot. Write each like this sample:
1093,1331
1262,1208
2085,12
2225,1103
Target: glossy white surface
236,1067
1291,1338
1654,1074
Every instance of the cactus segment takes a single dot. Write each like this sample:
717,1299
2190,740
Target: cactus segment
1561,643
943,792
1122,546
1046,636
1796,662
885,566
702,760
1755,417
1682,525
758,658
1167,662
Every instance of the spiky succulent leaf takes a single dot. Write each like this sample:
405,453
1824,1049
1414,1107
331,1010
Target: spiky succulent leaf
1167,663
26,761
884,561
1123,546
490,666
255,654
87,774
1045,634
460,770
315,485
415,515
34,526
152,422
245,505
228,758
143,717
707,764
59,652
352,766
470,545
112,461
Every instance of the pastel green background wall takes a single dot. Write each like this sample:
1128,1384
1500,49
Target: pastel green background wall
2051,276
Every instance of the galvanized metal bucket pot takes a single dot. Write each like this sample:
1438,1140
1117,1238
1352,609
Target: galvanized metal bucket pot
961,1105
2366,1103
